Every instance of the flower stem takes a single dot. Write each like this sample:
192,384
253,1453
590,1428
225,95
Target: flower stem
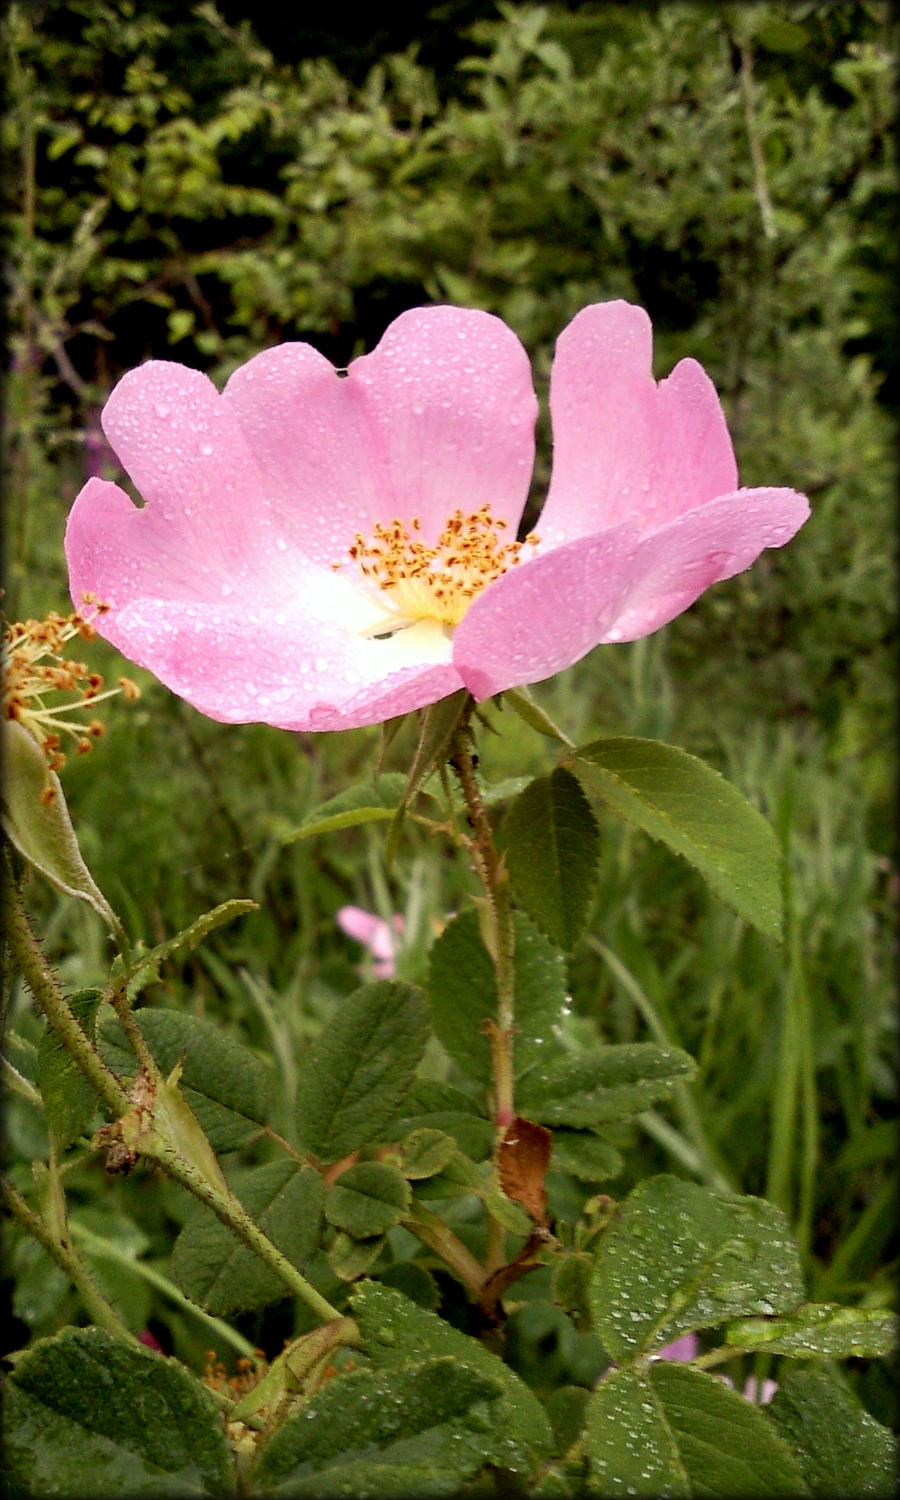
500,934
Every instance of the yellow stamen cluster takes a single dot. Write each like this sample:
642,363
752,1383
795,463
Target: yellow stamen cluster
35,668
439,582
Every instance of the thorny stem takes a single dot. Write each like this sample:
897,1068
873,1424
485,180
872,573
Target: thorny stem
28,956
232,1214
501,933
26,952
68,1262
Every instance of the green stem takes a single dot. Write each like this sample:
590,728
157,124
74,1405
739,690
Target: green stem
434,1233
97,1306
235,1217
501,933
26,951
28,957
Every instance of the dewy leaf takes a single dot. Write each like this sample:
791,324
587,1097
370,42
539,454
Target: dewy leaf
600,1084
364,803
680,1431
678,1256
368,1199
552,846
221,1273
85,1410
841,1448
462,994
421,1430
679,799
226,1085
820,1330
726,1443
70,1101
628,1443
358,1070
42,831
396,1330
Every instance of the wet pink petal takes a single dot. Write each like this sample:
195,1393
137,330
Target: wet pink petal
623,446
545,614
672,567
439,416
302,673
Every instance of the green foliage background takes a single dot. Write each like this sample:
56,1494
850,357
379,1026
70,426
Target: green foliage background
183,188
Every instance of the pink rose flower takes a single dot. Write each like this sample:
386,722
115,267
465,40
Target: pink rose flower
321,549
375,934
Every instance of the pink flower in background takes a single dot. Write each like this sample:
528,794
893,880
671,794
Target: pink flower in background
688,1347
375,934
319,550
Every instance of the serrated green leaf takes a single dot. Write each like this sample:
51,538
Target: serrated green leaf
42,831
85,1408
552,846
369,1198
70,1101
462,994
600,1084
221,1273
678,1256
227,1086
686,804
441,1106
422,1430
585,1155
394,1329
357,1073
820,1330
680,1431
841,1448
355,805
424,1152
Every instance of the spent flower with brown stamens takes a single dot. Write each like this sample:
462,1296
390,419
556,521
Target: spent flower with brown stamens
36,668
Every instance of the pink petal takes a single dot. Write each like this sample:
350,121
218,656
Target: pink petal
685,1348
674,566
185,453
544,614
624,447
439,416
300,673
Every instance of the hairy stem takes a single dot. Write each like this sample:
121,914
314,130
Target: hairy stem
28,957
501,933
99,1309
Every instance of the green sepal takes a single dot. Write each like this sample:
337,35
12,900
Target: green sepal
41,830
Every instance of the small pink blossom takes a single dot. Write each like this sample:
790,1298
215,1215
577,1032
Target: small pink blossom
375,934
321,549
687,1348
